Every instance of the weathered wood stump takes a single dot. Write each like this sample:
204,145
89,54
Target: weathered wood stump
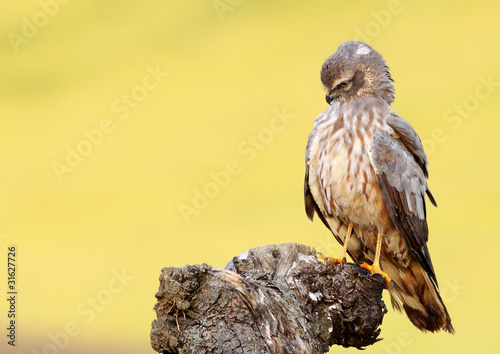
271,299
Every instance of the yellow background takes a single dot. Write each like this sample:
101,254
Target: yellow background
118,209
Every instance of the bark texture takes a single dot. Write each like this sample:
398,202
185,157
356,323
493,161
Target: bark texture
271,299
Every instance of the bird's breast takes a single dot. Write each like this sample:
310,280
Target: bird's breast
346,180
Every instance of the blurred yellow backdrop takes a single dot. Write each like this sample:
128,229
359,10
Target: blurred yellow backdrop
138,135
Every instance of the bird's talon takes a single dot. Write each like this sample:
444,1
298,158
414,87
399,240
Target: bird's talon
327,260
375,269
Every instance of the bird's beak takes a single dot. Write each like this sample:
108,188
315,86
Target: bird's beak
329,99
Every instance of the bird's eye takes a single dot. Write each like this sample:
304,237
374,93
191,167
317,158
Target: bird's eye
343,84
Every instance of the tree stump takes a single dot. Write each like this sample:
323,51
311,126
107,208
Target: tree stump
271,299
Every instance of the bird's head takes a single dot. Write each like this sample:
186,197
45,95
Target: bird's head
356,70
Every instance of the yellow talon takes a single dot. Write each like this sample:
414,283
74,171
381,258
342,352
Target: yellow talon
333,260
375,269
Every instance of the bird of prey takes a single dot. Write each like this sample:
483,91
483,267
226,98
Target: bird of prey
366,176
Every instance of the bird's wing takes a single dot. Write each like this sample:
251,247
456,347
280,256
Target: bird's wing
402,182
409,138
310,204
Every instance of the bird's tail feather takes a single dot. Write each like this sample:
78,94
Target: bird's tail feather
419,297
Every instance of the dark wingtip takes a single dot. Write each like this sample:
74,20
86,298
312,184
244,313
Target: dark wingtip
309,201
309,208
449,328
431,197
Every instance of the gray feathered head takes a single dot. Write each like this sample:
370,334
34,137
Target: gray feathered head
356,70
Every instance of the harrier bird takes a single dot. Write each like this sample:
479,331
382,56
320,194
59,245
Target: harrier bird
366,176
